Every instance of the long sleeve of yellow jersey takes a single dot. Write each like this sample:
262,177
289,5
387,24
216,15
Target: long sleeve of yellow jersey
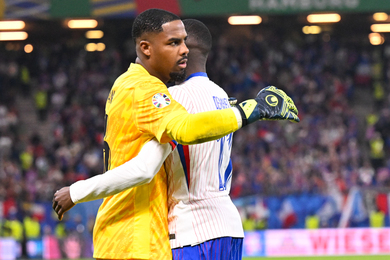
270,104
202,127
160,115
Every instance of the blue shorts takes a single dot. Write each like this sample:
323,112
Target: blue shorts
224,248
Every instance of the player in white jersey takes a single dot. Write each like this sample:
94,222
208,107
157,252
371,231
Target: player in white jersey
203,221
199,176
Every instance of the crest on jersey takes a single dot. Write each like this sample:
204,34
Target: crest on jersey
161,100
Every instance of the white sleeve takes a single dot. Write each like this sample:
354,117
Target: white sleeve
139,170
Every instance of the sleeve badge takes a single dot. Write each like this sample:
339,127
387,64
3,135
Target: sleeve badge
161,100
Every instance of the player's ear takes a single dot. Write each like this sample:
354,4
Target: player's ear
145,47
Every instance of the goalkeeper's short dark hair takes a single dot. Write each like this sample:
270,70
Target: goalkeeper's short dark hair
151,20
197,30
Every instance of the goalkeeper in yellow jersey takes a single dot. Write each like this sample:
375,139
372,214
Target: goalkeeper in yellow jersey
133,223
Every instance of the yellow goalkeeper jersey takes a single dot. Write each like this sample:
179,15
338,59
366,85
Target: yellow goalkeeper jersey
133,223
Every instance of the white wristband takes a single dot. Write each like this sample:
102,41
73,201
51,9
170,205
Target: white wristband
238,116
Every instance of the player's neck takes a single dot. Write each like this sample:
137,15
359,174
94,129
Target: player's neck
191,71
195,64
196,61
151,71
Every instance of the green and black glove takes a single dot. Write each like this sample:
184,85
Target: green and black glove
270,104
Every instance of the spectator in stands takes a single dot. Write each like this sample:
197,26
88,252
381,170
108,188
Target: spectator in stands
32,227
377,218
41,103
13,227
312,221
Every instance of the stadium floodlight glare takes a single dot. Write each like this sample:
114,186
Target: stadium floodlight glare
376,39
380,27
100,46
94,34
12,25
13,36
323,18
82,24
314,29
244,20
380,17
90,47
28,48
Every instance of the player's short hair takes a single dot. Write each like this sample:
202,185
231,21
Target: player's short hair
197,30
151,20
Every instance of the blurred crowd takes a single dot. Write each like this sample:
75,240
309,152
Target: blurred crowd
342,141
343,137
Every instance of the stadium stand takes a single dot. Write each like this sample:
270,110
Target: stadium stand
52,107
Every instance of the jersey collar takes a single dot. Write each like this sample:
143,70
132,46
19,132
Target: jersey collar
197,74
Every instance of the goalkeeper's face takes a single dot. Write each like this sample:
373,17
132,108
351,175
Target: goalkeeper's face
168,52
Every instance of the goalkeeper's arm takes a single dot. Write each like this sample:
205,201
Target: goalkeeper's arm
270,104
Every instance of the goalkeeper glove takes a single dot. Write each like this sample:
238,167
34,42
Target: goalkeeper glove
270,104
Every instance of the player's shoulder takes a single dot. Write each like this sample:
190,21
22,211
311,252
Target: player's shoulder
196,83
137,77
141,86
212,88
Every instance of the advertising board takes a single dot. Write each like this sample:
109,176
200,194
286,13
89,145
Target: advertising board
319,242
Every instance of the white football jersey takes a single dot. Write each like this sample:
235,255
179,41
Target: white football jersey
200,175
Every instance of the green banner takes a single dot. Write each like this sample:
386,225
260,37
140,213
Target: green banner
70,8
213,7
217,7
45,9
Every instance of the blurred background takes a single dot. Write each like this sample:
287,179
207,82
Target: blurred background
320,187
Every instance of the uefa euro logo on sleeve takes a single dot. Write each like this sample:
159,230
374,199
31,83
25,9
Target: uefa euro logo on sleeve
161,100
